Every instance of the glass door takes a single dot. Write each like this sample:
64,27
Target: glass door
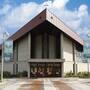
41,70
57,69
33,70
49,69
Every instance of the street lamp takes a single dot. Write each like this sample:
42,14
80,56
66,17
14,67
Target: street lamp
5,37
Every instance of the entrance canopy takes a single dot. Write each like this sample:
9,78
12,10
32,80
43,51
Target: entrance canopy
46,60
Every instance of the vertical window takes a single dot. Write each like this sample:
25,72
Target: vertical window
45,45
57,45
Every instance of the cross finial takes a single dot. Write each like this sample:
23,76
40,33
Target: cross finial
47,4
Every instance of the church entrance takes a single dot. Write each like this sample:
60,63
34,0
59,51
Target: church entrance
45,69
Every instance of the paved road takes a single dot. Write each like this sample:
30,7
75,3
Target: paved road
45,84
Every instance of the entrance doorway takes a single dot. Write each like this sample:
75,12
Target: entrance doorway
45,69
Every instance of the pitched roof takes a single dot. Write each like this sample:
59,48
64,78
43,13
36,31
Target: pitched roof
46,15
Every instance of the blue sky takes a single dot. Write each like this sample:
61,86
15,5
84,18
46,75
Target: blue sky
16,13
72,4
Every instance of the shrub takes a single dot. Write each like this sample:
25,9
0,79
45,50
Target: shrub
83,75
6,74
69,74
22,74
79,74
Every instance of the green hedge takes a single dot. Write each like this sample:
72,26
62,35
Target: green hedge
83,74
79,74
22,74
7,74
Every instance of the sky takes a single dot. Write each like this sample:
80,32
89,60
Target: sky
16,13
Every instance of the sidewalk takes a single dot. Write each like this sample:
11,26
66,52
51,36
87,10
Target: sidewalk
46,84
78,84
7,82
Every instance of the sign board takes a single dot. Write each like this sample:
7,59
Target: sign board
8,50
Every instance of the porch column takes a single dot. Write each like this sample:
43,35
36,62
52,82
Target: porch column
28,70
29,53
74,59
61,54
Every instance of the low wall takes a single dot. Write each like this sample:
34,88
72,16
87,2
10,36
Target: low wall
7,67
83,67
10,67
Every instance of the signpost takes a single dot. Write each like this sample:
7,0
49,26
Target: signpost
7,51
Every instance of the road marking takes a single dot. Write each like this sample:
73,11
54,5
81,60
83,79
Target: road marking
48,85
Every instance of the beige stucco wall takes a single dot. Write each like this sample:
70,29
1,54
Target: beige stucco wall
68,66
67,54
67,49
22,66
23,49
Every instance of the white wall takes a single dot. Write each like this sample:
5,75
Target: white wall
67,54
67,49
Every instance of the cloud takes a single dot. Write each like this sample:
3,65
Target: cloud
4,10
60,3
20,15
78,20
15,17
83,10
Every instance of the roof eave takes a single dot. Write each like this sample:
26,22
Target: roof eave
64,28
40,18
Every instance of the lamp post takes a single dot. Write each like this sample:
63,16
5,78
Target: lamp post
2,61
88,58
5,36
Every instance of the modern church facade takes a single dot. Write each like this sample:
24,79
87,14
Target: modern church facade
45,47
